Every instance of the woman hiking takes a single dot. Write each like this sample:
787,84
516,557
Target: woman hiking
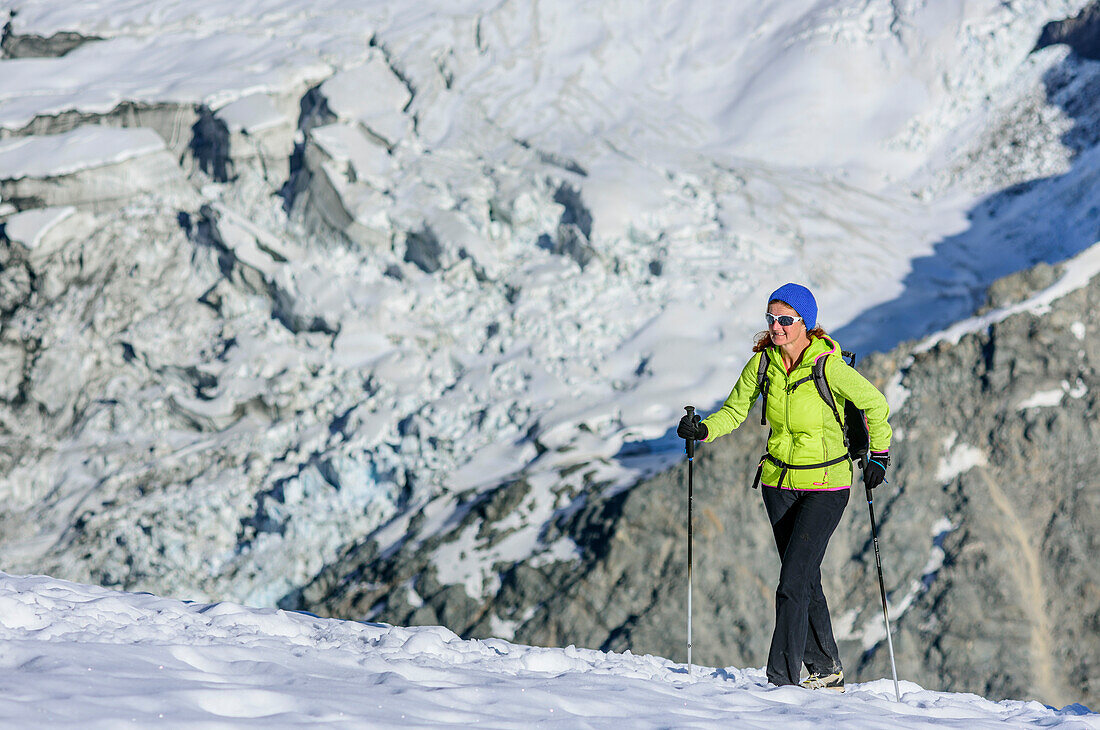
806,473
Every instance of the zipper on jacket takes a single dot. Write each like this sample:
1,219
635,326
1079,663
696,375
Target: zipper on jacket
787,406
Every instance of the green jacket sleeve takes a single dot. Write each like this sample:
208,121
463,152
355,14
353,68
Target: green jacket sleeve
850,385
736,408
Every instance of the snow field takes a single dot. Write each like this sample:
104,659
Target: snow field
79,656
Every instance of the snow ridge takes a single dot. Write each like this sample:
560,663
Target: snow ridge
81,656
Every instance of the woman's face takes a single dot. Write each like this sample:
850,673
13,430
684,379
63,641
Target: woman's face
785,335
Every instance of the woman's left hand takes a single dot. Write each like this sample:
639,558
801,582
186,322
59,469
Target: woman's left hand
874,471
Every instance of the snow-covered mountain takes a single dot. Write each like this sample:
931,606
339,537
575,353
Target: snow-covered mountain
84,657
281,280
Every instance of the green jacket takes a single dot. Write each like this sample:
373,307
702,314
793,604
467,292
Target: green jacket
803,427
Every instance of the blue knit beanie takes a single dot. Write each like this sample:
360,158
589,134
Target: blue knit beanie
800,300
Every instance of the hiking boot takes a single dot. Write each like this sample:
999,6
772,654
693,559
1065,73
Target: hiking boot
833,681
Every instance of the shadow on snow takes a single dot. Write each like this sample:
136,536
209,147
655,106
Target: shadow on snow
1042,220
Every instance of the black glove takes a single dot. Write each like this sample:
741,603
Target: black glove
874,469
691,428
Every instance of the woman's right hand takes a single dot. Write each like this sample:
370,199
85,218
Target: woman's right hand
691,428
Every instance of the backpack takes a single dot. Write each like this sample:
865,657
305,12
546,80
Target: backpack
854,425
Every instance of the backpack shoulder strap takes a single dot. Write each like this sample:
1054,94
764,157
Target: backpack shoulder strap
822,383
763,384
823,389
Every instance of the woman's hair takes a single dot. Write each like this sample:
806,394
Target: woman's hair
763,340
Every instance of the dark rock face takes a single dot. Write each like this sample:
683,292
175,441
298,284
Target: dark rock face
424,250
1081,33
1012,612
15,45
987,529
210,146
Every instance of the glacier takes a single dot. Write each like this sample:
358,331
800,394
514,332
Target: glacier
279,280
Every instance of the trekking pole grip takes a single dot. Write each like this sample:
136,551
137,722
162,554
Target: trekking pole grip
689,444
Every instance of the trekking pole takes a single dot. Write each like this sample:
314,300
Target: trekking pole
882,591
689,445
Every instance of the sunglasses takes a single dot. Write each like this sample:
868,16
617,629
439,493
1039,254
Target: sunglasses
784,320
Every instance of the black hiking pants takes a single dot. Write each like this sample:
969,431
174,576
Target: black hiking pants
802,522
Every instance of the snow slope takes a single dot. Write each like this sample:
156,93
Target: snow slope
84,657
